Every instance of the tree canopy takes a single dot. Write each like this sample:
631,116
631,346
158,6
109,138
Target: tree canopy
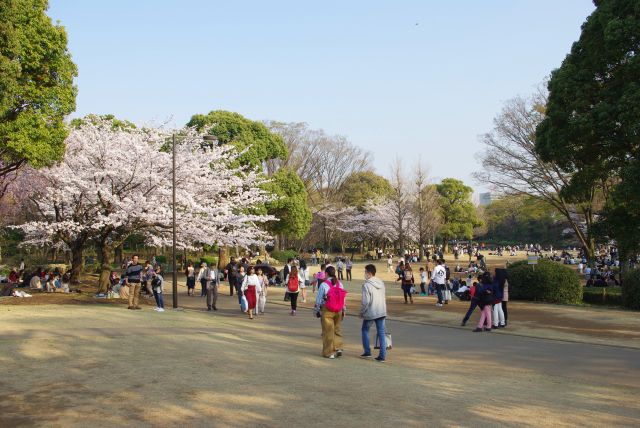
458,214
363,186
252,138
523,218
36,86
593,113
290,207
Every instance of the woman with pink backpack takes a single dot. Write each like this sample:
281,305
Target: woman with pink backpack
330,307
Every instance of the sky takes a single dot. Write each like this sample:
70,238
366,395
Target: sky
407,79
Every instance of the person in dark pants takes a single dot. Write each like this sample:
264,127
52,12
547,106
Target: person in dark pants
473,305
202,277
240,276
231,270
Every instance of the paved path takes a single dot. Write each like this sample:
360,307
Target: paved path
106,366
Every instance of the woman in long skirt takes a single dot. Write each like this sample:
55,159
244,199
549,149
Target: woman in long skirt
251,288
262,296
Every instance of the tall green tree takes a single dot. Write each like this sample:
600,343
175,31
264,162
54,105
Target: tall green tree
361,187
458,215
36,86
524,219
253,137
291,207
592,122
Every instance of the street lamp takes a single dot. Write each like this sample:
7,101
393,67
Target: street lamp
214,140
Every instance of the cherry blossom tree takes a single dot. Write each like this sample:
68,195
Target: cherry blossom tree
114,182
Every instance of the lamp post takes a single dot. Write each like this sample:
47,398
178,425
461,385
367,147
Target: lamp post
214,140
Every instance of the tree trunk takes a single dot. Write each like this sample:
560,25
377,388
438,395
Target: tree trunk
77,262
118,254
104,256
223,257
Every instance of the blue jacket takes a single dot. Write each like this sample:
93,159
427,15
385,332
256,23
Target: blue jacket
498,292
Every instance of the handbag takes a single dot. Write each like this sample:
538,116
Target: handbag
244,304
387,337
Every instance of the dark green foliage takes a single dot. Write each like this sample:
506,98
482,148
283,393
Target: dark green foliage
521,218
209,260
546,282
361,187
233,128
631,289
161,259
592,127
611,296
283,256
457,211
36,85
291,207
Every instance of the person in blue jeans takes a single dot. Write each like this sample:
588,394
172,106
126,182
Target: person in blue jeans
373,309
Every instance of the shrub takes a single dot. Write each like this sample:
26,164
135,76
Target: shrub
210,261
631,289
603,295
283,256
548,282
161,259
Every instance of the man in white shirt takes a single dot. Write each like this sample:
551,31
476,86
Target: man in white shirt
439,277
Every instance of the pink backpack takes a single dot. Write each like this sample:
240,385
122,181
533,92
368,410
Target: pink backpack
335,297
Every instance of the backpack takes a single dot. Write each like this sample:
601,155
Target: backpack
407,275
293,284
335,297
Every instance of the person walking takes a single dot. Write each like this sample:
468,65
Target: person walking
190,273
319,277
373,309
262,296
203,274
423,282
407,283
349,266
212,284
439,277
251,288
292,282
240,276
340,266
304,273
133,276
473,304
231,270
389,263
157,281
329,300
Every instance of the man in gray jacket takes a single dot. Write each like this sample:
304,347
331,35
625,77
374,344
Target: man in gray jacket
373,309
212,277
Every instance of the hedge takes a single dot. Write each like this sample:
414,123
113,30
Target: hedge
603,295
548,282
283,256
631,289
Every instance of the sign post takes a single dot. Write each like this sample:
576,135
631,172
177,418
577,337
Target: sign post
533,261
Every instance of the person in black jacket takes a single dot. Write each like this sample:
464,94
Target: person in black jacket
485,302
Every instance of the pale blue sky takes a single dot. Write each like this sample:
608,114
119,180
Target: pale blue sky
362,69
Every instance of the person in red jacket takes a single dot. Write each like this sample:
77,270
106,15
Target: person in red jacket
473,305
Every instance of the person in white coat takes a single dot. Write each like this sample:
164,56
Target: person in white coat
251,289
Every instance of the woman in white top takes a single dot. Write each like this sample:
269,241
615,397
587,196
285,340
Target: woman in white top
304,280
251,288
262,295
